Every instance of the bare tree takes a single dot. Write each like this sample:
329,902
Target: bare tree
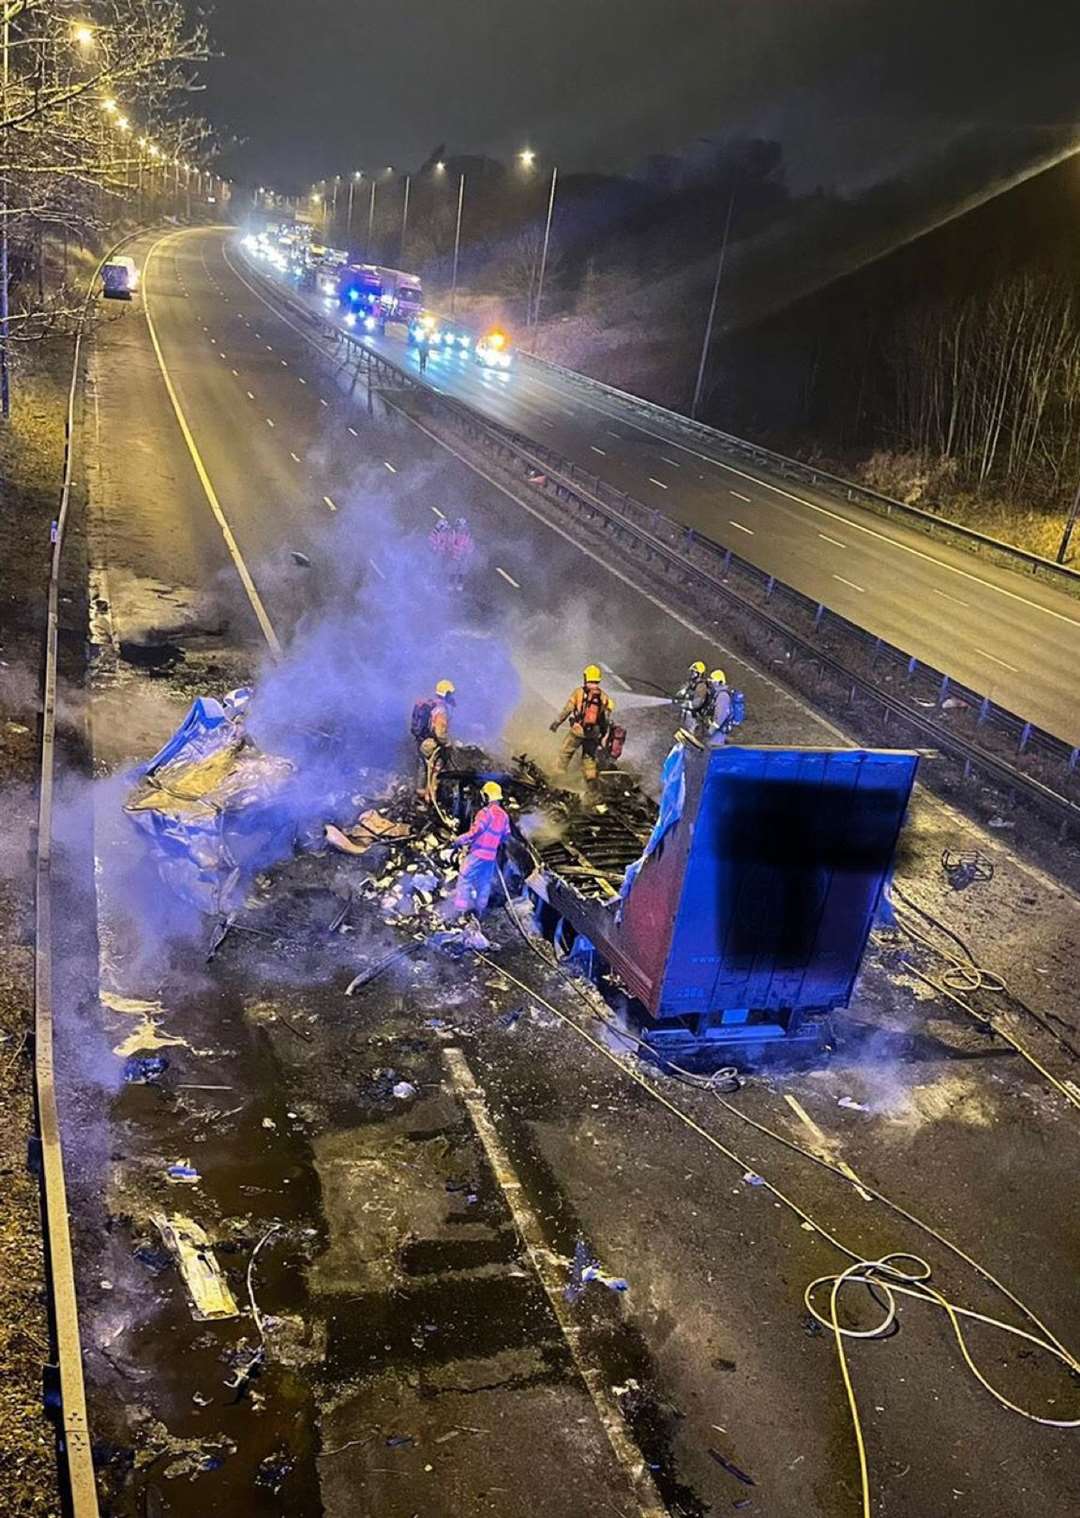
92,135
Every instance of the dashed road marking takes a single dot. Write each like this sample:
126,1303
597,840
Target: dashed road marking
301,378
851,584
996,660
739,496
329,503
376,568
250,396
944,594
834,541
508,578
236,373
601,451
654,481
269,421
673,462
388,465
748,530
294,456
440,514
322,402
354,432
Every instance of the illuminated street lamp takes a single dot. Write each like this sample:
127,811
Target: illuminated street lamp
527,158
109,106
354,179
123,123
82,35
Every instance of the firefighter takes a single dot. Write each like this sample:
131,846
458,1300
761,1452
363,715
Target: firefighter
722,715
489,831
589,710
430,726
694,697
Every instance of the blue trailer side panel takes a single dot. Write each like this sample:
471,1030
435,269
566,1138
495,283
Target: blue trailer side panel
788,856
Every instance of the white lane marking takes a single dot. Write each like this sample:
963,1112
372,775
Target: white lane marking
237,373
440,514
284,362
376,568
672,462
545,423
850,583
551,1273
250,396
200,469
269,348
613,434
732,522
322,402
508,578
329,502
739,496
601,451
269,421
834,541
944,594
354,432
388,465
994,657
623,684
654,481
294,456
301,379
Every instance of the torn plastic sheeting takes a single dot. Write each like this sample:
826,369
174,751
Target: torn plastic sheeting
672,801
215,807
191,1249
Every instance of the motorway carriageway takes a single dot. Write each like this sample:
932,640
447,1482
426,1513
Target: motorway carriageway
994,630
290,464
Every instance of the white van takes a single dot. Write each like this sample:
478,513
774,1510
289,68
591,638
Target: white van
120,278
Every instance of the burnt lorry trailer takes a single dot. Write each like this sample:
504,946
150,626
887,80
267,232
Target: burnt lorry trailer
748,906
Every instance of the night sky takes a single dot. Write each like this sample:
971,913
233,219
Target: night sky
854,88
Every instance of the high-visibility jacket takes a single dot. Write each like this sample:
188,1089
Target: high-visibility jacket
489,830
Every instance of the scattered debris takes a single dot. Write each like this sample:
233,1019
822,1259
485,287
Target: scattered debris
141,1070
404,1090
206,1285
584,1269
731,1468
399,1441
301,559
753,1180
851,1104
966,867
183,1174
1000,822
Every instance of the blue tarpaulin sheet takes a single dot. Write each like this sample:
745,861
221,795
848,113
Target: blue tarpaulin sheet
672,801
216,809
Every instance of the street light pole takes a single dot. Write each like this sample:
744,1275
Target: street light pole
370,221
404,220
457,245
707,340
352,186
543,260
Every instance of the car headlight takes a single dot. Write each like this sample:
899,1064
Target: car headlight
369,323
350,319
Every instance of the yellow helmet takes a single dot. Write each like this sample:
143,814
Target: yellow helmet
492,791
719,677
592,673
698,667
444,688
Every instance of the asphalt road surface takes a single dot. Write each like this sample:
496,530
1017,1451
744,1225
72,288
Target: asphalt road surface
997,631
250,522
